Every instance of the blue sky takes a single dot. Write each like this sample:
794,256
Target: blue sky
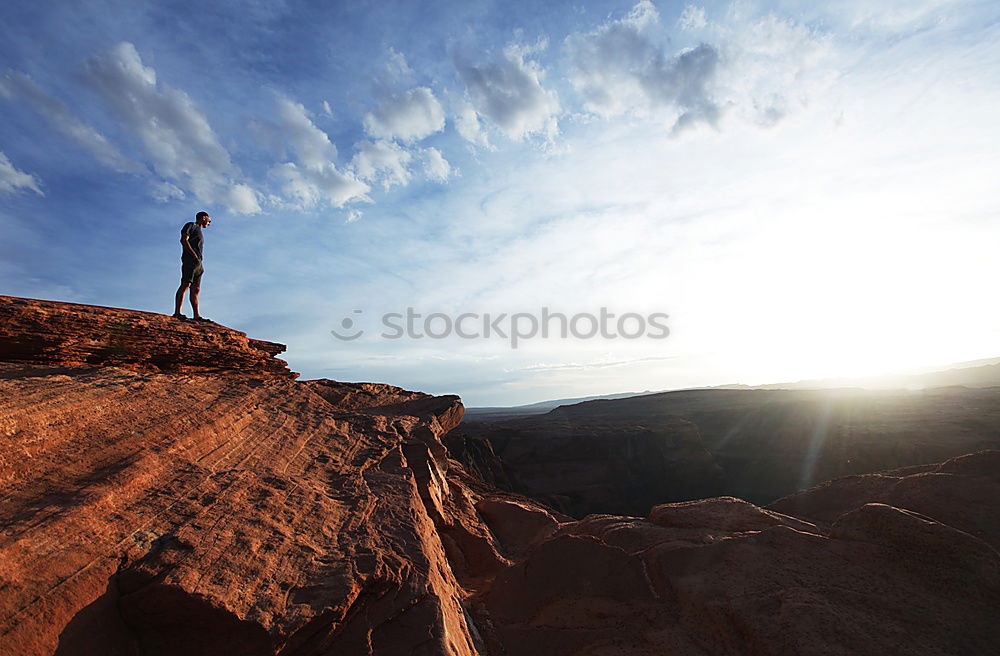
805,190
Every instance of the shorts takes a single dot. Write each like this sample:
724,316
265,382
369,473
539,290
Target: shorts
191,272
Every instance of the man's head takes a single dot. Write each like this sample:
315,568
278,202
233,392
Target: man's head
202,219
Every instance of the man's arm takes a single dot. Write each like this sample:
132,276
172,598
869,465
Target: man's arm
188,248
185,244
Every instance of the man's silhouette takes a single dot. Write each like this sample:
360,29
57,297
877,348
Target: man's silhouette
192,241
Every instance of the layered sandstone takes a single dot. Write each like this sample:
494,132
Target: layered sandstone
36,332
148,510
214,505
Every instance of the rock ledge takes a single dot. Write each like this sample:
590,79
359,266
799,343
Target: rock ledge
36,332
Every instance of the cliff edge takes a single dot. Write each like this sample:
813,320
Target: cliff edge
34,332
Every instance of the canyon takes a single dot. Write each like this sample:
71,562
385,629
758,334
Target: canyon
625,455
172,488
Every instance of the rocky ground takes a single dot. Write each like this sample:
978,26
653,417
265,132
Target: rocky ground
171,488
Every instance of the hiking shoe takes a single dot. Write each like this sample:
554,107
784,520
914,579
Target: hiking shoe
178,315
203,319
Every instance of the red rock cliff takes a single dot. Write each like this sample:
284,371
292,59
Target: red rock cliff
167,488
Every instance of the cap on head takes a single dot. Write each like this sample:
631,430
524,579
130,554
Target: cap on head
199,215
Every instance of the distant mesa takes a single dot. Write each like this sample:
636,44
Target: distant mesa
974,373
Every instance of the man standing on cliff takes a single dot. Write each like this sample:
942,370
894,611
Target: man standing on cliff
192,241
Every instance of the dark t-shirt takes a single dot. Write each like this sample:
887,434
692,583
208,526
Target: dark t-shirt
192,231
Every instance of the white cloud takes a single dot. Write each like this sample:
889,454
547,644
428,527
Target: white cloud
382,161
315,178
621,67
607,65
241,199
396,64
467,123
353,215
311,145
684,82
164,192
773,66
174,134
508,91
435,165
408,116
12,180
309,187
19,85
692,18
753,67
904,17
327,109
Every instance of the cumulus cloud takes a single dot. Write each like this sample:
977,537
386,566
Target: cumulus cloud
12,180
508,92
314,178
467,123
311,145
607,65
241,199
621,66
408,117
309,187
684,82
751,66
382,161
174,134
19,85
436,167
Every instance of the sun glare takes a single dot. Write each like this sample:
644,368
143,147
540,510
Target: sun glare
866,297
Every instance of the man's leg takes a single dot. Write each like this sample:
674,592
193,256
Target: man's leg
179,297
194,301
195,288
